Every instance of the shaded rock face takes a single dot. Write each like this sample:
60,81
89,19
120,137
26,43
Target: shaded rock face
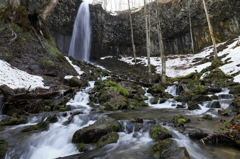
111,35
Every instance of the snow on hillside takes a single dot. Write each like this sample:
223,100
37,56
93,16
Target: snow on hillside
181,65
15,78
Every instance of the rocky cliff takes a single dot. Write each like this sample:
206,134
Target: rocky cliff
111,34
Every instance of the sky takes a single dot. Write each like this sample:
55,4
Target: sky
117,5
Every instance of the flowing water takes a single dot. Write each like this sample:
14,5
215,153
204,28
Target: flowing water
134,142
81,36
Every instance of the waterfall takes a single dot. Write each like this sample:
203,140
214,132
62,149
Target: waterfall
81,36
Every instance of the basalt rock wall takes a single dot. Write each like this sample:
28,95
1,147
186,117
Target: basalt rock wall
111,35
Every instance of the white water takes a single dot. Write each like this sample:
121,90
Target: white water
193,149
56,142
81,36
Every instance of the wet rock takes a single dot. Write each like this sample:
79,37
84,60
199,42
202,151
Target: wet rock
193,106
41,126
184,98
214,97
197,134
85,147
176,153
94,132
155,100
162,100
52,119
216,104
180,106
179,120
223,112
207,116
214,90
107,139
3,148
159,147
201,98
13,121
159,132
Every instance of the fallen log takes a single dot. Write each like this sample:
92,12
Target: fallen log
11,97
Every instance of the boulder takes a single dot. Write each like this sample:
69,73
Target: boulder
216,104
201,98
207,116
94,132
176,153
158,148
193,106
107,139
159,132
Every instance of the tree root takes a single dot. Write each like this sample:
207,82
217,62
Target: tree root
15,37
39,39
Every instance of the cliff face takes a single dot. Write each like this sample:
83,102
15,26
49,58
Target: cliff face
111,35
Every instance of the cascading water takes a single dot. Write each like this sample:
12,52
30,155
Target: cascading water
55,142
81,37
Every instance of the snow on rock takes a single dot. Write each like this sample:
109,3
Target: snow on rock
15,78
78,70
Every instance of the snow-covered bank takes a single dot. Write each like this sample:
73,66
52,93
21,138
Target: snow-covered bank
15,78
181,65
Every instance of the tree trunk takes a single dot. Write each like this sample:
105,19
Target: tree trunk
133,45
211,30
14,3
161,46
147,38
190,24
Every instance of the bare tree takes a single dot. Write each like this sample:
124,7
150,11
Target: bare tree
211,30
133,45
147,38
161,46
190,24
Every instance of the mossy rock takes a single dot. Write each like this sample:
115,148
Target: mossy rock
158,148
82,147
201,98
176,153
155,100
157,88
235,89
92,133
52,119
13,111
179,120
13,121
41,126
198,90
74,82
207,117
107,139
193,106
159,132
47,64
3,148
64,108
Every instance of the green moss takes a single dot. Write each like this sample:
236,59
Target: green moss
64,108
159,132
155,100
47,64
158,148
3,148
41,126
107,139
81,147
179,120
113,86
207,116
227,124
13,121
197,90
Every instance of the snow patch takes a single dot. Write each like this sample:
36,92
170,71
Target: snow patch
15,78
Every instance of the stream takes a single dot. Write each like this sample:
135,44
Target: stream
132,143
